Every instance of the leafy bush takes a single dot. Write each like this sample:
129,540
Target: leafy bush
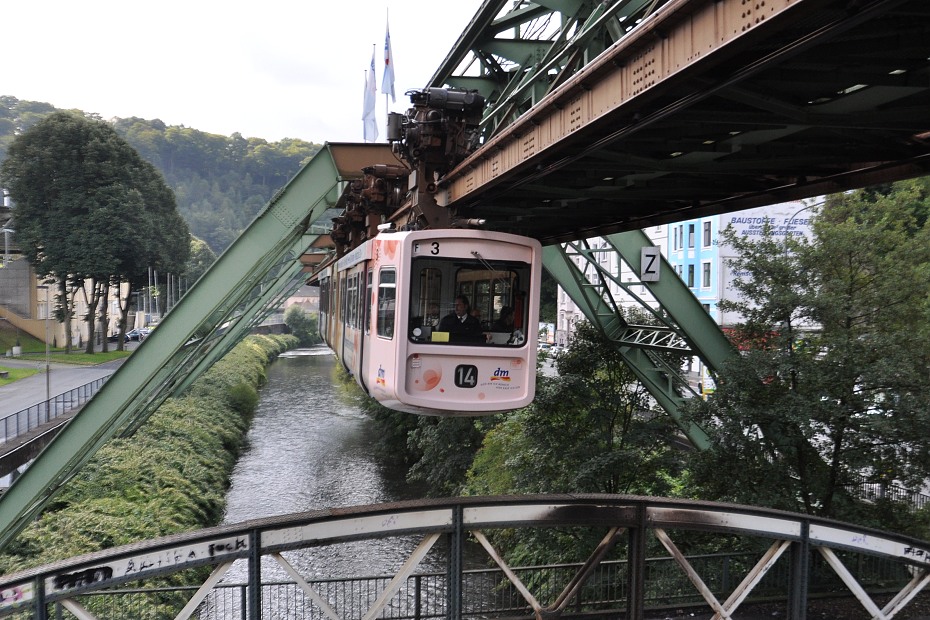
171,476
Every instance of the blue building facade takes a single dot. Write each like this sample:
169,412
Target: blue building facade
693,253
698,256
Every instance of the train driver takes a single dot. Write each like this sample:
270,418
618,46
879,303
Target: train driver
460,324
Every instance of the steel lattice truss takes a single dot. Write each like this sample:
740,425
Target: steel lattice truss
609,116
516,53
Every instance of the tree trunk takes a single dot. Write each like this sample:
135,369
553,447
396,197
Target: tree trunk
123,305
104,313
65,309
91,317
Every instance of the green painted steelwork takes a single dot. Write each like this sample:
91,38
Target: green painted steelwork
677,301
578,271
246,282
515,58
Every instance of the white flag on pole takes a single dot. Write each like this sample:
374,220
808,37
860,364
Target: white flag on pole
368,114
387,82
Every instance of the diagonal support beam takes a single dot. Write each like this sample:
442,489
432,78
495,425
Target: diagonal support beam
511,576
77,610
391,589
908,592
692,574
318,600
685,311
663,382
754,576
587,569
850,580
203,591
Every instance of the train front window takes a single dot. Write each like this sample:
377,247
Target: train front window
476,302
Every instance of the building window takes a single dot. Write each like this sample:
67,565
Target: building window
705,275
706,308
691,275
706,243
690,235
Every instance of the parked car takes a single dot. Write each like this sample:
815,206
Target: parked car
138,333
115,337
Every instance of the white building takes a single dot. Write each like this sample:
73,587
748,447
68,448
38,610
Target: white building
695,253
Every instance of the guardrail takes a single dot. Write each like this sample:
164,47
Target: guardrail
852,560
40,414
488,595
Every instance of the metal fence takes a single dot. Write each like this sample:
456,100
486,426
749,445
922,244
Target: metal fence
487,593
40,414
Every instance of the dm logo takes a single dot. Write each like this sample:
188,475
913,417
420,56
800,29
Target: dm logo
380,380
501,375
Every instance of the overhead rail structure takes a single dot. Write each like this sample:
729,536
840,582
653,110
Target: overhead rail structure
624,525
610,116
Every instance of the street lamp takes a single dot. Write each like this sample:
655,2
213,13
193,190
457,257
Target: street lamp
48,377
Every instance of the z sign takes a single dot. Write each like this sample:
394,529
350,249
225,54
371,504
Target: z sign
650,259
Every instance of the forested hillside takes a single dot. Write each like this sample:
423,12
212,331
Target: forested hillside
220,182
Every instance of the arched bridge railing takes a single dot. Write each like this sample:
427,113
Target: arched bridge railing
624,525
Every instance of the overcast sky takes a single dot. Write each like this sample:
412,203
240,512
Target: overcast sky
269,69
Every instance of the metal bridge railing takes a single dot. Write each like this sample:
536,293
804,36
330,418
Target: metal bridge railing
487,592
795,556
40,414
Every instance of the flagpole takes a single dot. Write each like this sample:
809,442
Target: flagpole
387,28
387,81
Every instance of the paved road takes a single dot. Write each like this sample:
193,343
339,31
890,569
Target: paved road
26,392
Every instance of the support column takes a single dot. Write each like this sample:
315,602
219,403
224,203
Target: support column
455,569
799,575
636,567
255,576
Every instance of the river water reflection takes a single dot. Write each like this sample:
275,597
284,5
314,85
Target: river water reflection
310,447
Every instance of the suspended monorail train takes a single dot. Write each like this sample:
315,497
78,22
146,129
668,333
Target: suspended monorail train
388,309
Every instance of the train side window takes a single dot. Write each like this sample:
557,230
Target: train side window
368,291
344,300
387,302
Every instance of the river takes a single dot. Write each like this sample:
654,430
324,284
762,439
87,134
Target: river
310,447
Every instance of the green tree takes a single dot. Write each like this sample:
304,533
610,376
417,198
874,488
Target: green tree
589,430
840,328
89,208
302,324
201,258
548,298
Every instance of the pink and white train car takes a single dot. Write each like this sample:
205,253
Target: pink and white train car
378,312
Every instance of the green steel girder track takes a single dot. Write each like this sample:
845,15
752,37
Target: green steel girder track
251,277
515,53
684,327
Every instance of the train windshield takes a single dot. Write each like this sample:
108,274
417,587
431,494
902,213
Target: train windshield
478,301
